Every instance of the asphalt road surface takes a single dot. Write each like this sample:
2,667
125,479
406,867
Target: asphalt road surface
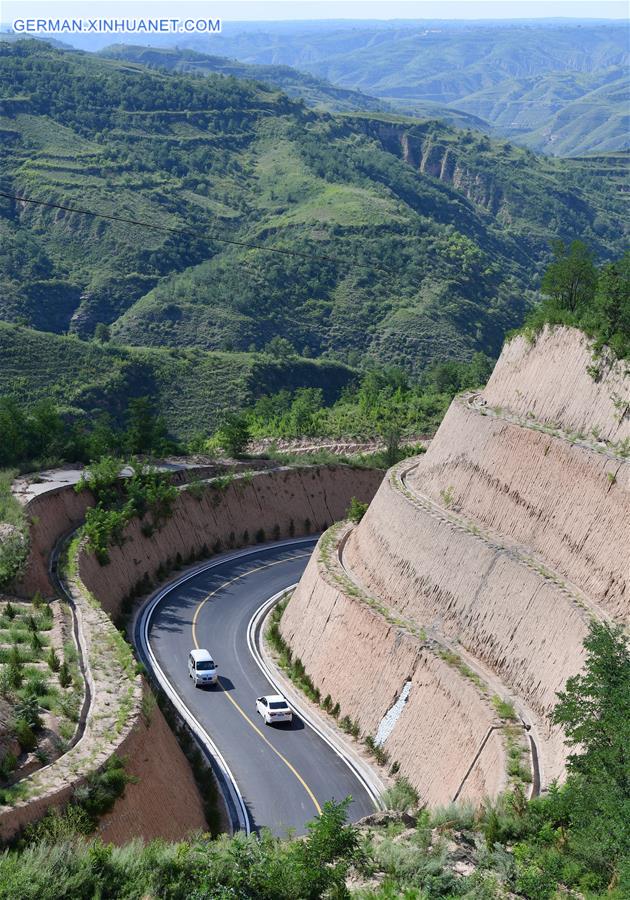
285,772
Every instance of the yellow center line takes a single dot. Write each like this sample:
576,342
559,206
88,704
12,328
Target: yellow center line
263,737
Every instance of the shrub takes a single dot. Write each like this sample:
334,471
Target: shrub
65,678
36,642
25,735
356,510
14,674
402,797
36,685
27,709
7,765
505,710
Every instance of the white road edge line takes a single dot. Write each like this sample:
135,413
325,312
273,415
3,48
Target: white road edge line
140,634
361,773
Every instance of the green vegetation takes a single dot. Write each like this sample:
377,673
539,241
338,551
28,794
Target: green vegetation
42,436
382,404
314,92
146,494
28,691
13,527
431,266
292,666
254,867
356,510
596,300
55,389
81,815
234,434
402,797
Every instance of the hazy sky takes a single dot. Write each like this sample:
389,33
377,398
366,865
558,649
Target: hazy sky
295,9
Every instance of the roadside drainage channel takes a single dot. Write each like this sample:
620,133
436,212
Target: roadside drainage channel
77,636
389,720
362,772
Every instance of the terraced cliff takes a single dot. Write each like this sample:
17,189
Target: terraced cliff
474,574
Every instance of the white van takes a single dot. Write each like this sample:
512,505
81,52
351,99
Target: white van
201,667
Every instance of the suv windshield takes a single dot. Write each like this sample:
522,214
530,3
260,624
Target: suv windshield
277,705
205,665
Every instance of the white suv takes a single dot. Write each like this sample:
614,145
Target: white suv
202,668
274,708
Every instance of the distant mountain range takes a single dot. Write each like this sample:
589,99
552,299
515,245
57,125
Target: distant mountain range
558,86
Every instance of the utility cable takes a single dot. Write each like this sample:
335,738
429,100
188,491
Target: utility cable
180,230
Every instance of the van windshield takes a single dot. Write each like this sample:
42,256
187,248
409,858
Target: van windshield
204,665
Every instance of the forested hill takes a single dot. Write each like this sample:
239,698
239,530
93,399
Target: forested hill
315,92
439,236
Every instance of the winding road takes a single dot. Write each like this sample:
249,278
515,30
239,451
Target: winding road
284,773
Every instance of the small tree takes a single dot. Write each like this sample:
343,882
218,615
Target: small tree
595,712
102,333
571,279
233,435
146,431
280,348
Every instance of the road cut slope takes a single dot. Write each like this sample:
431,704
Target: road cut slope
494,550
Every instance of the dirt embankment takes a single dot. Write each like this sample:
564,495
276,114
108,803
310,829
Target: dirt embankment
549,381
55,508
164,801
364,662
523,626
567,505
503,539
52,515
275,504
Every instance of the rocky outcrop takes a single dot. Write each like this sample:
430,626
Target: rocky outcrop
431,154
268,505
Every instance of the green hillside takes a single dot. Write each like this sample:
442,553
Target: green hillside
438,235
558,87
595,121
315,92
191,388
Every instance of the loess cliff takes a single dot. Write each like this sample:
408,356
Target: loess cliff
467,589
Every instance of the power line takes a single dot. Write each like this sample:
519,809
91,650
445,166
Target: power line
179,230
